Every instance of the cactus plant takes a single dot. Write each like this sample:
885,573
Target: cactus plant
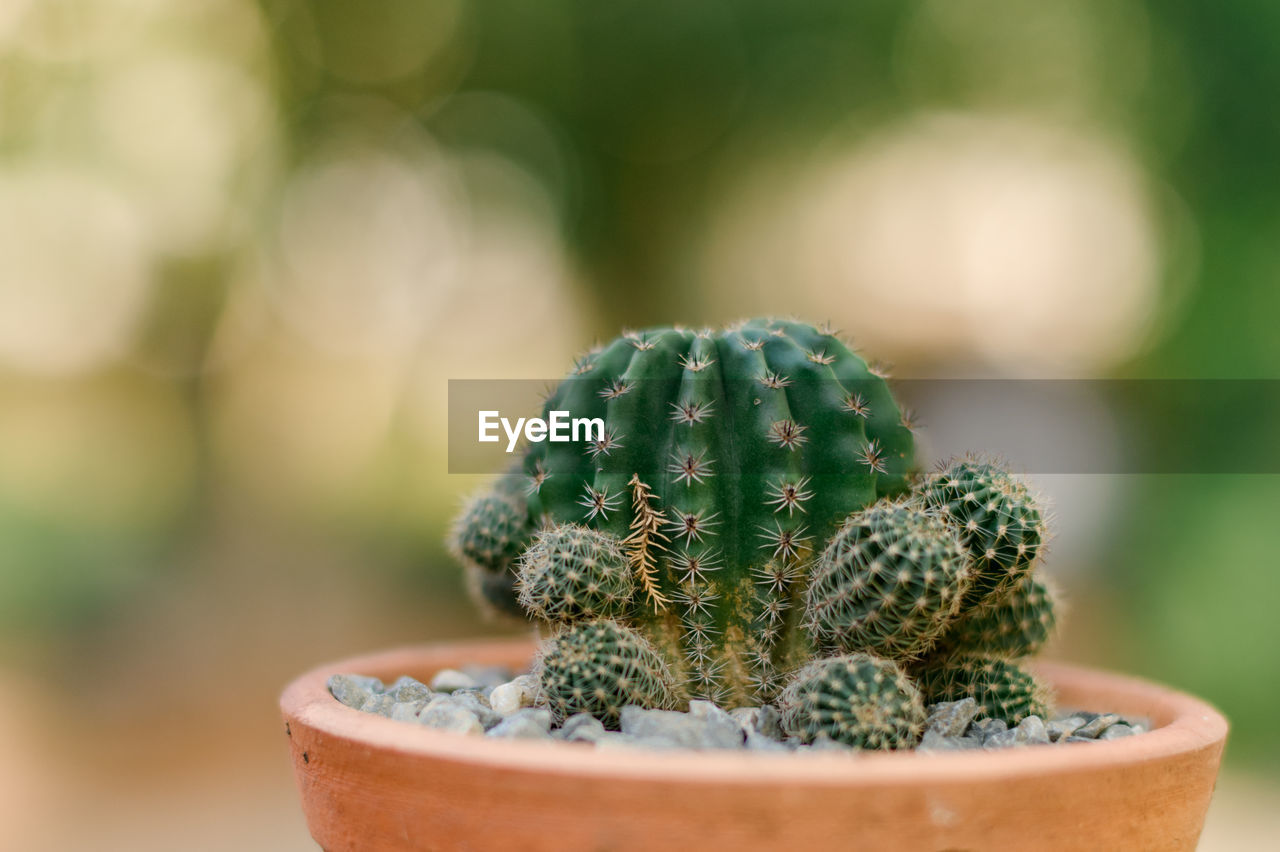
599,667
726,460
1000,523
744,508
889,582
1001,688
858,700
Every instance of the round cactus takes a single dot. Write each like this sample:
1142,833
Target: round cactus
888,583
1016,626
572,572
1002,690
726,460
488,537
858,700
1000,524
599,667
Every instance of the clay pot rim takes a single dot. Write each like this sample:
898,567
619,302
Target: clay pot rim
1182,722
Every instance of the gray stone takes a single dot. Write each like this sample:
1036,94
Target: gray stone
711,728
379,703
1075,739
1060,728
1031,731
952,718
615,739
1001,739
533,723
934,741
407,711
408,689
1096,725
353,690
507,698
986,727
581,727
764,720
451,680
450,716
1116,731
473,703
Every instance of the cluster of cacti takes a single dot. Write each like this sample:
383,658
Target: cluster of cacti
748,520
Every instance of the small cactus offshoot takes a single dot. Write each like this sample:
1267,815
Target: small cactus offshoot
487,538
888,583
1000,524
858,700
1002,690
599,667
1017,626
572,572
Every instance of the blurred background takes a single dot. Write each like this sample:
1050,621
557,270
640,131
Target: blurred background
244,246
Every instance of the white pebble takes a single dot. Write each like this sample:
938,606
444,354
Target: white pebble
448,680
507,698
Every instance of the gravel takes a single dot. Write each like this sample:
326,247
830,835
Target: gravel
704,726
951,718
533,723
495,702
450,716
581,727
1097,725
451,680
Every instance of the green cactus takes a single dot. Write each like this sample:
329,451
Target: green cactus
888,583
858,700
1002,690
488,537
599,667
673,552
571,572
1000,524
726,460
1016,626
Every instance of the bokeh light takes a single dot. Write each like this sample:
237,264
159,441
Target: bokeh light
1002,239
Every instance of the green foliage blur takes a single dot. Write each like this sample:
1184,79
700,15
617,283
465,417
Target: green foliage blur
318,211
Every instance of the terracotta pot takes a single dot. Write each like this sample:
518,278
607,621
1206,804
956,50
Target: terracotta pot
369,782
